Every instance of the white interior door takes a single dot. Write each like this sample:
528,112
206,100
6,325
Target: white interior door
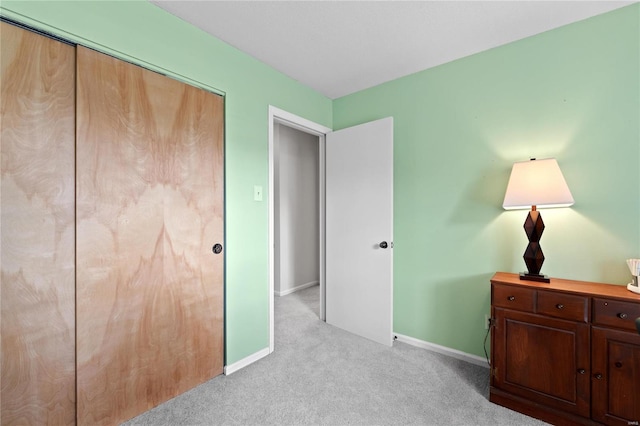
359,218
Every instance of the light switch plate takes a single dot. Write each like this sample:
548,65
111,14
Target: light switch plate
257,193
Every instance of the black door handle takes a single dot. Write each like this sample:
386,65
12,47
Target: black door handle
384,245
217,248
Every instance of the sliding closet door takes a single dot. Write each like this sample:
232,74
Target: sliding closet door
37,136
149,210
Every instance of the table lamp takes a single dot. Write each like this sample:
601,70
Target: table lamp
536,184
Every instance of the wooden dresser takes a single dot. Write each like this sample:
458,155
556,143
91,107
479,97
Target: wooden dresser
566,352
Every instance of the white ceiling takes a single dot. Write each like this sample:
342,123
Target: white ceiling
341,47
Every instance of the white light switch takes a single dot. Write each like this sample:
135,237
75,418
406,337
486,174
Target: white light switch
257,193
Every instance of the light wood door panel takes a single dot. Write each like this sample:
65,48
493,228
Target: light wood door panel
149,209
37,287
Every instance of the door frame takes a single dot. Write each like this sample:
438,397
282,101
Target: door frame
277,115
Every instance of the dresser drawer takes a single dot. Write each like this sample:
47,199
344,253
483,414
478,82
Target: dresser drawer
615,313
512,297
565,306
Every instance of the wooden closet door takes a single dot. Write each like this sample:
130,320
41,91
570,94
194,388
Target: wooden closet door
149,210
37,284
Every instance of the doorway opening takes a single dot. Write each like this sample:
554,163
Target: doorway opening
296,210
297,137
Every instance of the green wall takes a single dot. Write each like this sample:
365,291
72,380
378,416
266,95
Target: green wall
572,93
145,34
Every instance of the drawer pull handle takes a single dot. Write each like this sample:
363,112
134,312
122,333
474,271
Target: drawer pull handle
622,315
511,298
582,371
560,306
618,364
598,376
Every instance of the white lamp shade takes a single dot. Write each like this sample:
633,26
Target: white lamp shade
537,183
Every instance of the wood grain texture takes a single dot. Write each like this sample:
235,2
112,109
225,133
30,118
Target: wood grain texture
538,357
37,287
576,365
149,208
616,376
614,291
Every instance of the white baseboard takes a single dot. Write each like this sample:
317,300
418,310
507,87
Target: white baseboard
230,369
453,353
296,288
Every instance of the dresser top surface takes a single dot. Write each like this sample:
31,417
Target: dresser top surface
570,286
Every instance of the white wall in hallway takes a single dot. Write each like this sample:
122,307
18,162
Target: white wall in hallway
296,209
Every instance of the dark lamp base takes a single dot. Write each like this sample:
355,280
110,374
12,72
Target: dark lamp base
534,277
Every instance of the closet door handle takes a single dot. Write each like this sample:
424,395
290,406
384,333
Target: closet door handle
384,245
217,248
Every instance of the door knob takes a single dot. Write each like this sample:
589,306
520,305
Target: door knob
217,248
384,245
